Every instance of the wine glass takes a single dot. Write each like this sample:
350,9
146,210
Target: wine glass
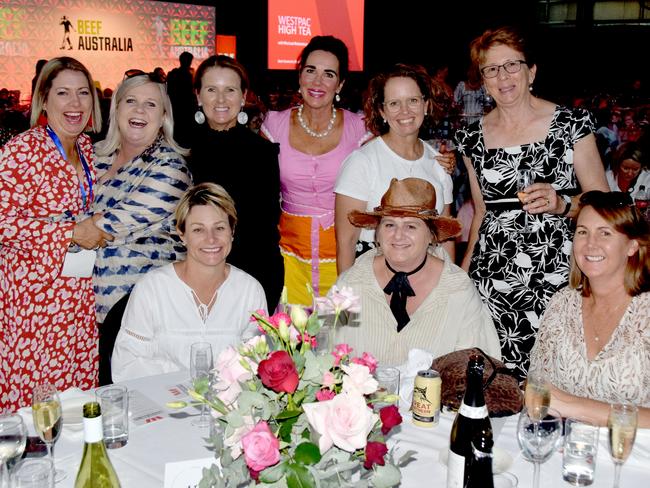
12,442
538,438
46,412
525,178
537,396
201,363
621,423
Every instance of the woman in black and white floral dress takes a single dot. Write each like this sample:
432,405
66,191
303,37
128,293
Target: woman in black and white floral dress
516,272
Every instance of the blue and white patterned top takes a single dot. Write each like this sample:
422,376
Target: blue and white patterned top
138,206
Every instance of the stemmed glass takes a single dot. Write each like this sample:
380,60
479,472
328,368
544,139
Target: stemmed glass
46,412
201,363
525,178
537,396
12,442
538,438
622,422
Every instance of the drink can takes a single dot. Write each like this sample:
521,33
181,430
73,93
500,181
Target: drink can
425,406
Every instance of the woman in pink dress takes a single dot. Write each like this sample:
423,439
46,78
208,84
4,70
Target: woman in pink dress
47,309
314,139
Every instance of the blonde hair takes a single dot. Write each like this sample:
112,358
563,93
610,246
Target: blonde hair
113,140
626,219
205,194
51,70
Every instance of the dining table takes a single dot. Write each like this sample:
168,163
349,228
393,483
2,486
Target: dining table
170,437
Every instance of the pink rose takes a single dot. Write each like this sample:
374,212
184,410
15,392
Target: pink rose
230,372
324,395
367,359
278,372
339,300
261,447
357,378
234,441
344,421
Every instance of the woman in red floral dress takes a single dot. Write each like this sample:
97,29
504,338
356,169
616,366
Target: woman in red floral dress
47,315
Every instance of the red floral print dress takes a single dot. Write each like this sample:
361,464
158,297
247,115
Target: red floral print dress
47,322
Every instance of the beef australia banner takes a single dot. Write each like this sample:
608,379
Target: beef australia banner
108,37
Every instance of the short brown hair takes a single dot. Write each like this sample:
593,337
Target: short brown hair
374,99
205,194
619,212
44,83
221,61
508,36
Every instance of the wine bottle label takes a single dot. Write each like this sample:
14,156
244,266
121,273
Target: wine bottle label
473,412
455,470
93,430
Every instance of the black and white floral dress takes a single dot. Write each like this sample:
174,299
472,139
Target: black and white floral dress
517,273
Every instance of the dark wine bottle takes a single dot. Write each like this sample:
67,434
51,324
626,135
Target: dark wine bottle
472,418
480,466
96,470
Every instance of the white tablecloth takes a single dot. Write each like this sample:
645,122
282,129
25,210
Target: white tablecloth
141,463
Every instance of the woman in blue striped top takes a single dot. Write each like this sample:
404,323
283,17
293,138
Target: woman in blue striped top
142,175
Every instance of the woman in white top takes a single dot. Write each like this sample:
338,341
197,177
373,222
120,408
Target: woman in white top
200,299
628,172
409,297
396,106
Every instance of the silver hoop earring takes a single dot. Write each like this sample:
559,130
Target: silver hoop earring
199,116
242,117
337,97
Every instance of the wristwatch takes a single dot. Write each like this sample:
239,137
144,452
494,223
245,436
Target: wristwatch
567,200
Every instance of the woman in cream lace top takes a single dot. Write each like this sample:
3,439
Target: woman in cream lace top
593,343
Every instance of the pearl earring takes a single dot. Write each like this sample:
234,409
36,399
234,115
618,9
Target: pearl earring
337,97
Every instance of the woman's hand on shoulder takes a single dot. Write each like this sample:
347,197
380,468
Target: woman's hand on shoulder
448,161
87,235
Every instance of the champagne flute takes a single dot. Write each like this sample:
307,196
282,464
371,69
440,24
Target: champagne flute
12,442
201,363
525,178
622,422
537,396
538,438
46,412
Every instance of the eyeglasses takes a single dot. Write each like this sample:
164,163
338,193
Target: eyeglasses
601,199
132,73
413,103
511,67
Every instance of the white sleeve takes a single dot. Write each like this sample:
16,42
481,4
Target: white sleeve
135,351
477,328
258,302
446,182
354,178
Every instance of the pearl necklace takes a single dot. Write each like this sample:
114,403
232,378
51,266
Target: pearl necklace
313,133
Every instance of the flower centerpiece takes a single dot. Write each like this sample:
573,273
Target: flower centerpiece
289,417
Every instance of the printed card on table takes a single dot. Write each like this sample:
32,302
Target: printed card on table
143,410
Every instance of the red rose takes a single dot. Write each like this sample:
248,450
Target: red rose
390,417
375,452
278,372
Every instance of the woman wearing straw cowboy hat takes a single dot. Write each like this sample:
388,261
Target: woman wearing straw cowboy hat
409,297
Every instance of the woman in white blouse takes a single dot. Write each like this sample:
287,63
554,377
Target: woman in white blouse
593,344
199,299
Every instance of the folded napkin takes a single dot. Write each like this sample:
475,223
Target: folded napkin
418,360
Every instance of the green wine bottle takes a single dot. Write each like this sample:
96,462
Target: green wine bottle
96,470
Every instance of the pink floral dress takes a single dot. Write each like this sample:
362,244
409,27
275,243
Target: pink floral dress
47,322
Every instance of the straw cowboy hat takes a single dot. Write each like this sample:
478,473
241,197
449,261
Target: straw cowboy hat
410,197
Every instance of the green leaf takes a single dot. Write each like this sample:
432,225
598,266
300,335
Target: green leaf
299,361
386,476
288,414
273,473
201,385
307,453
299,477
314,324
285,429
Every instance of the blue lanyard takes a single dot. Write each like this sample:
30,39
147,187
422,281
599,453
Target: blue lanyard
84,164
